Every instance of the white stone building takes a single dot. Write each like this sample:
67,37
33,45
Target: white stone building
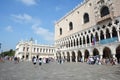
28,49
92,28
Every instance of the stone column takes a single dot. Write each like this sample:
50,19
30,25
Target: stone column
110,34
90,40
118,35
83,56
70,56
104,36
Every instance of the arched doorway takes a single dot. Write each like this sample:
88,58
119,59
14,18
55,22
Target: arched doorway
73,56
68,57
95,52
118,53
79,56
107,53
86,55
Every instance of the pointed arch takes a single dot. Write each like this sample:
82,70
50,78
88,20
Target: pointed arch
91,38
101,35
95,52
107,53
83,39
88,39
68,57
96,36
107,33
104,11
118,54
79,57
73,56
114,32
86,55
80,41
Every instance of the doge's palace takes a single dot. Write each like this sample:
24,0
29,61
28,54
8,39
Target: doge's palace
91,28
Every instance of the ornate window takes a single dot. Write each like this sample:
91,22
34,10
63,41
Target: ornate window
70,26
86,18
60,31
104,11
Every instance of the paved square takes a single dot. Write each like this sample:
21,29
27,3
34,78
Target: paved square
55,71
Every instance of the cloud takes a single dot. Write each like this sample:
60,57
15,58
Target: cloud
57,8
9,29
29,2
25,18
44,33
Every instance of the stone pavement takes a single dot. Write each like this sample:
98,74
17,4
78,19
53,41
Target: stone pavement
54,71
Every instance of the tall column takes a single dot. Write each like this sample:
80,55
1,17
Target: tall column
101,54
118,35
110,34
90,40
83,56
70,56
104,36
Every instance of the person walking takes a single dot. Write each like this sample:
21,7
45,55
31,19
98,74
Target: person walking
40,61
34,60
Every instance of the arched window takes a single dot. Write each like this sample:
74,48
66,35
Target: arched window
104,11
70,26
86,18
60,31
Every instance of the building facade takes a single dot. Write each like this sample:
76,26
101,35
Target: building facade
28,49
90,29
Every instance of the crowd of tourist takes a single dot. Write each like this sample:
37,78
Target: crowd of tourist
96,60
91,60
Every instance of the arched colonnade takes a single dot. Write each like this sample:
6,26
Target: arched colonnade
83,54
